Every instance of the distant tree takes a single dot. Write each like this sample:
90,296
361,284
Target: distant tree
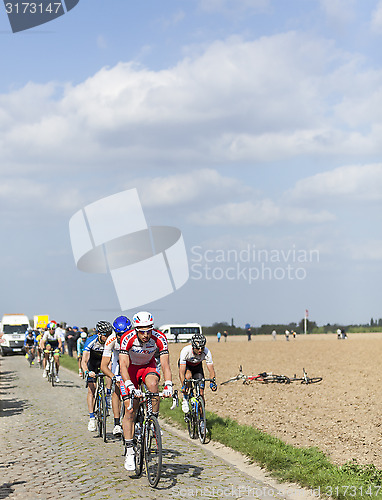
372,322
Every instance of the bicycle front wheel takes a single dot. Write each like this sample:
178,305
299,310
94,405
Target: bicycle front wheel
52,372
191,423
234,379
201,421
153,450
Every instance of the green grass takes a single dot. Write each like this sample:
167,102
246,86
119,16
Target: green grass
68,362
308,467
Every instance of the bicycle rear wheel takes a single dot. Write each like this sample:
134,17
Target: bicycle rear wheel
138,441
153,450
98,413
313,380
201,420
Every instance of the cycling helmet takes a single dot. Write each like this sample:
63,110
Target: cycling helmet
143,319
52,325
121,325
103,328
83,335
198,341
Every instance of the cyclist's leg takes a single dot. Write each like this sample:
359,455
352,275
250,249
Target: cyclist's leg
151,380
128,418
198,373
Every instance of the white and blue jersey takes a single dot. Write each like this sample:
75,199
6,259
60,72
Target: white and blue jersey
95,348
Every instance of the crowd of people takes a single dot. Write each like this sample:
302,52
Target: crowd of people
129,353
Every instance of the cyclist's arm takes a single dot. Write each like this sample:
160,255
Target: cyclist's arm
124,362
211,370
105,366
59,342
85,359
182,372
165,364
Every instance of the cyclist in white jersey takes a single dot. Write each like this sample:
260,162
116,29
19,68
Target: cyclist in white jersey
121,325
51,340
191,365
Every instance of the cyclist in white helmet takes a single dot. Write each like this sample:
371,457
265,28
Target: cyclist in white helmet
137,364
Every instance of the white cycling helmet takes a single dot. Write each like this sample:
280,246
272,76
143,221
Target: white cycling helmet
143,319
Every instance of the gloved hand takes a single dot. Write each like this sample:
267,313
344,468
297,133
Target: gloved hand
167,390
130,387
136,393
213,385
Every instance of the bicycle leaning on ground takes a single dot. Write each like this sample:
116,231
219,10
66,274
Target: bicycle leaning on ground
265,377
196,416
305,379
100,406
50,367
147,440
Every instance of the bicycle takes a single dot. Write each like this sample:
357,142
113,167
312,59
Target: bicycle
305,379
147,439
50,366
196,416
100,406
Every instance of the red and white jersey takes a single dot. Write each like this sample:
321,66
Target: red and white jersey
187,356
142,354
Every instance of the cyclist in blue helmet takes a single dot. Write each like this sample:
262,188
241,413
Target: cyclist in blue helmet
121,325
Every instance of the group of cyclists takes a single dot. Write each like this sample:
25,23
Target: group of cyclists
129,353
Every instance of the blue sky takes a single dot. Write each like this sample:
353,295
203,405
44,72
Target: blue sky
245,123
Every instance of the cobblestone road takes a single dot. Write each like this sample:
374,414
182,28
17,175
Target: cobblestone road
48,453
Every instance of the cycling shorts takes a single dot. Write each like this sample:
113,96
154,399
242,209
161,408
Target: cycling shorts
94,366
138,373
30,344
196,370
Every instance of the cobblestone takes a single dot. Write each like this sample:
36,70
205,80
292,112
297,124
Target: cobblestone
48,453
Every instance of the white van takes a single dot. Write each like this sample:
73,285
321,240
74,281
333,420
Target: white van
180,333
12,333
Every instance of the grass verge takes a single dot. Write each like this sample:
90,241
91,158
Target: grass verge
308,467
69,363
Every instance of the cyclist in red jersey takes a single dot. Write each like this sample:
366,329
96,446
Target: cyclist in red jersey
137,364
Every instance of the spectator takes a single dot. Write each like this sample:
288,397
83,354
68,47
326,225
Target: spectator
287,335
225,335
249,333
71,339
274,334
61,333
219,336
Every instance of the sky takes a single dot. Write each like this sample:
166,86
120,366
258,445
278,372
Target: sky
253,126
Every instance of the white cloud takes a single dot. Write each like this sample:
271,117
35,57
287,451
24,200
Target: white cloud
261,213
181,189
355,182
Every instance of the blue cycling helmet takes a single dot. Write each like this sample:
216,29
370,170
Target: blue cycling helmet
121,325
